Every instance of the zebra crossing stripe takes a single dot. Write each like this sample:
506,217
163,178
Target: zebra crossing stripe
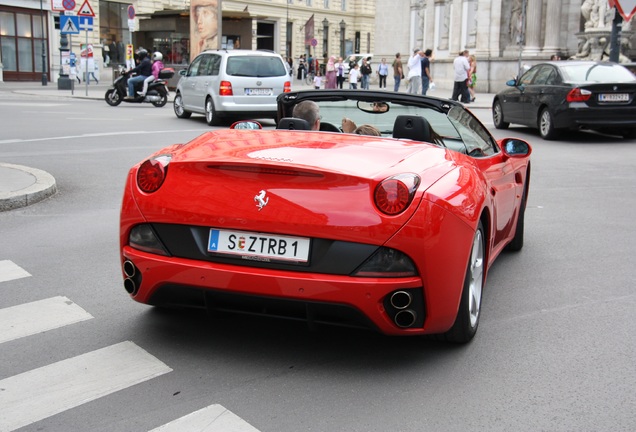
214,418
39,316
10,271
40,393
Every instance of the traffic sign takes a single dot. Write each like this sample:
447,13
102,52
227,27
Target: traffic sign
314,42
86,10
68,4
69,24
131,12
627,8
85,23
57,6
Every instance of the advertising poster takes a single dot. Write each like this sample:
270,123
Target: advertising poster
205,23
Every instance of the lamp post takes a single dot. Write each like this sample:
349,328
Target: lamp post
343,26
287,32
44,79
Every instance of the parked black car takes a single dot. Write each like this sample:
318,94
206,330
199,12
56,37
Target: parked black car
561,95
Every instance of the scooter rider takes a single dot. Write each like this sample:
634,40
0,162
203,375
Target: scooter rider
143,70
157,65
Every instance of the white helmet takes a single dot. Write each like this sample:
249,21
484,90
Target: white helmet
157,56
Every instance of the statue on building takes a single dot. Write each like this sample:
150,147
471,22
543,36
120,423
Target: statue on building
596,13
516,22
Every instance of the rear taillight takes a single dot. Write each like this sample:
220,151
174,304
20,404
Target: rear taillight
394,194
287,88
152,173
225,89
578,95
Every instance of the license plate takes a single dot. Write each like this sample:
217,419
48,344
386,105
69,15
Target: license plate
259,246
259,91
613,97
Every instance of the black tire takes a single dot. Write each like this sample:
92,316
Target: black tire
163,101
179,111
112,97
469,312
546,125
210,113
517,241
498,117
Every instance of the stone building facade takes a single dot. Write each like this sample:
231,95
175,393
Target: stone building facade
503,34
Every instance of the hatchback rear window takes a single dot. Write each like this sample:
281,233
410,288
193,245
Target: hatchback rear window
255,66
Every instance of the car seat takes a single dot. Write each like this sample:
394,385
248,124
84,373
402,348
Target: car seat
413,127
293,123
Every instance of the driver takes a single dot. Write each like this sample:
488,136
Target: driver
309,111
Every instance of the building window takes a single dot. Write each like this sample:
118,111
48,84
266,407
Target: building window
344,5
309,3
326,4
22,43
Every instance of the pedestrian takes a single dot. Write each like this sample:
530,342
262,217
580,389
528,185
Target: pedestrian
398,72
461,66
383,72
317,80
340,72
472,74
365,71
427,79
330,76
310,64
415,71
301,67
354,75
290,62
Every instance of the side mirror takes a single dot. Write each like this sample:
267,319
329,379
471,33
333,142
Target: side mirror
246,124
512,83
514,147
183,72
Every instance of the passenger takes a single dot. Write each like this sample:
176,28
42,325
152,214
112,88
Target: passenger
309,111
349,126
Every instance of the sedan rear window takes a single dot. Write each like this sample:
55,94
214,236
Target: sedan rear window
255,66
597,73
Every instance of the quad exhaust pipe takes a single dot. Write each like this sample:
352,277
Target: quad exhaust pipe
132,279
404,305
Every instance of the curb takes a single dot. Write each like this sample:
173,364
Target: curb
42,186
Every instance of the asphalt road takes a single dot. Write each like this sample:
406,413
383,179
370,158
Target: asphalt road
555,348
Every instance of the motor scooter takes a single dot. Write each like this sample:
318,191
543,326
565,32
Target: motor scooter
157,93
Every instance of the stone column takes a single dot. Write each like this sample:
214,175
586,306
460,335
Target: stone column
533,28
552,28
456,37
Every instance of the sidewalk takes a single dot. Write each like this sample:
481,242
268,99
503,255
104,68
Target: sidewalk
21,186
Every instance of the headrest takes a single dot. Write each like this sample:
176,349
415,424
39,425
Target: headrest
293,123
412,127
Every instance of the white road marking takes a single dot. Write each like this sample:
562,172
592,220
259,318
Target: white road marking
214,418
104,134
39,316
40,393
34,104
10,271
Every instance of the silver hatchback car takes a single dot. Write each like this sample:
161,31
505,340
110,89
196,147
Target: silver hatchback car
232,83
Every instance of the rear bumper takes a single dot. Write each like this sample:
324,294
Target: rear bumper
191,283
577,116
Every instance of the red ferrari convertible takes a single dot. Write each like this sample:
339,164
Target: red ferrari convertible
394,231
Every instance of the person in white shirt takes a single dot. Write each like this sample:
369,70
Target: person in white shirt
415,72
461,67
354,75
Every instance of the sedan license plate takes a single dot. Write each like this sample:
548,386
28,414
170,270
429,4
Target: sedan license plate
259,91
259,246
613,97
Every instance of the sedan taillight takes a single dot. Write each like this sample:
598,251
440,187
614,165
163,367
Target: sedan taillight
394,194
225,89
578,95
287,88
152,173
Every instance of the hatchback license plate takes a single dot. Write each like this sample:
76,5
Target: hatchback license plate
613,97
259,246
259,91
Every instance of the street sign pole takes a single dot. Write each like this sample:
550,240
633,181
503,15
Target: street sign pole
615,38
